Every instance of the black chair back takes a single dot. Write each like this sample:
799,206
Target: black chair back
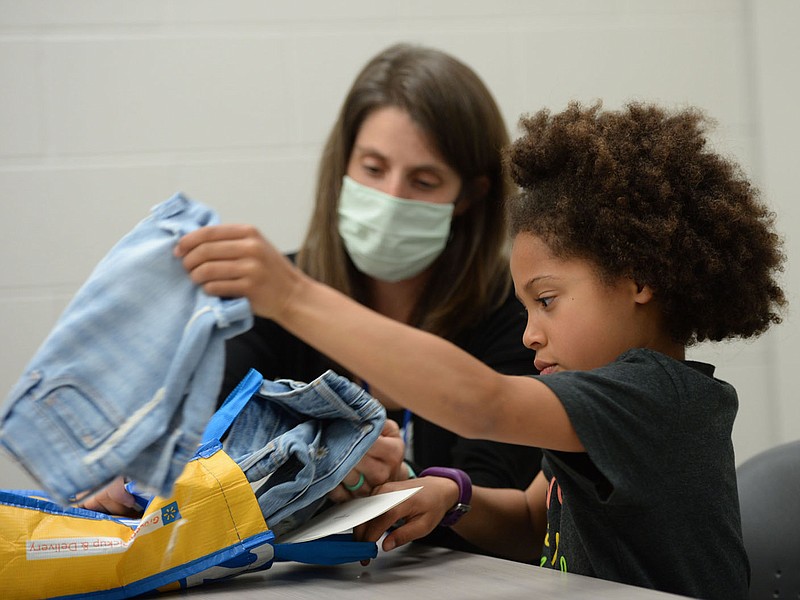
769,495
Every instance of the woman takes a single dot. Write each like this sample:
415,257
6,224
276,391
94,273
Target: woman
409,221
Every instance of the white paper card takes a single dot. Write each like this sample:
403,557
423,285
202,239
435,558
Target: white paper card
345,516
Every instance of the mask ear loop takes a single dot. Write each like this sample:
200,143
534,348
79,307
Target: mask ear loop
462,203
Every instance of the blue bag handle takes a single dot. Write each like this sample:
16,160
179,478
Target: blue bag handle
330,550
233,405
215,428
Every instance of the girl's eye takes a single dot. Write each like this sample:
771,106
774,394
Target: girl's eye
545,301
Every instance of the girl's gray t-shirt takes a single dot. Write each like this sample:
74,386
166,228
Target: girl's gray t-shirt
653,500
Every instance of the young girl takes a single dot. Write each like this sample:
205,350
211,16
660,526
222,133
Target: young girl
632,241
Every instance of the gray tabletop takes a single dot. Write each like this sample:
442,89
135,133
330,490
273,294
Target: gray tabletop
415,572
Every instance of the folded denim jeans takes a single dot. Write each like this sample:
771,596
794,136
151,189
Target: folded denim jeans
296,441
128,378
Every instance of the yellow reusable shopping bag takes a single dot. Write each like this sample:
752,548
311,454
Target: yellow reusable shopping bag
212,518
210,528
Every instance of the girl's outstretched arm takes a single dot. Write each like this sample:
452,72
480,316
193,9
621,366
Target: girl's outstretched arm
423,372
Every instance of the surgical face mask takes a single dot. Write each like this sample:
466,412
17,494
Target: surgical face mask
390,238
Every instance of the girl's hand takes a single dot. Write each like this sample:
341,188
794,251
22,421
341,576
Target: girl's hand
421,513
236,261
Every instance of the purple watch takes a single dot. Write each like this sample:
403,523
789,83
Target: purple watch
462,506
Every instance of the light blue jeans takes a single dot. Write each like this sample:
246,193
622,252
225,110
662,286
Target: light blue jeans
296,441
128,378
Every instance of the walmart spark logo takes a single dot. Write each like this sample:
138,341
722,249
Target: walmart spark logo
170,513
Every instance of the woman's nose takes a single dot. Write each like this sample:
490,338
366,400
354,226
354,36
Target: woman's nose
395,185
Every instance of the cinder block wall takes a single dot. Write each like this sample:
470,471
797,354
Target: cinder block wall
107,108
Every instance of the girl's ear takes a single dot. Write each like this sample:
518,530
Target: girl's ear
474,190
644,293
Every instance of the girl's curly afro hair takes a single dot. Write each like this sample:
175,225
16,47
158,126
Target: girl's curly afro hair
637,193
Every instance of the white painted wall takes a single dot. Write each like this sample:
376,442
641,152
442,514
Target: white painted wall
108,107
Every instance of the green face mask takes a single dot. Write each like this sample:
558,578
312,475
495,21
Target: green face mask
390,238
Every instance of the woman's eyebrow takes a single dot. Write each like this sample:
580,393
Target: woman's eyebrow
368,150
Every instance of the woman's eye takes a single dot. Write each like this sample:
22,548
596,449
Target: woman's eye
425,184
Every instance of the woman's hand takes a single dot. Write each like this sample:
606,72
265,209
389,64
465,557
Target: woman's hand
113,499
236,261
383,462
421,513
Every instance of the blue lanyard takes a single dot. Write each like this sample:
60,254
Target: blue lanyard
406,423
406,418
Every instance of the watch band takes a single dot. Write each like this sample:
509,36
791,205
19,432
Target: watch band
464,483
